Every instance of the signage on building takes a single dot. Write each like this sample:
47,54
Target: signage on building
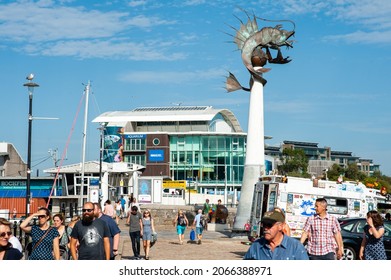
144,190
94,182
174,184
94,194
155,155
17,188
135,136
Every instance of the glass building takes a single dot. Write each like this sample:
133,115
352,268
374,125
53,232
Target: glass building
200,144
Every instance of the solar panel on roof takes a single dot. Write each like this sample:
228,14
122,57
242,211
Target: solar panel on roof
176,108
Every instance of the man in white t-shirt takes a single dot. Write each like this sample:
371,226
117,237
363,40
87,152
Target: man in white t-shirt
15,243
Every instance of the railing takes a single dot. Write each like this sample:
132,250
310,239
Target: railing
23,237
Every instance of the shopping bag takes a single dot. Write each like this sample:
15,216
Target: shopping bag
192,235
153,239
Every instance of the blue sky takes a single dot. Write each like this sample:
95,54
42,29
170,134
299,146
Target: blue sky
335,91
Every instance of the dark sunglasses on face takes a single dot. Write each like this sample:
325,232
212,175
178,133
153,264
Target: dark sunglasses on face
267,224
87,210
41,216
3,234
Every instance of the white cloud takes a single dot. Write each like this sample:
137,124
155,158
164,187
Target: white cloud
169,77
45,28
371,17
31,22
362,37
137,3
103,49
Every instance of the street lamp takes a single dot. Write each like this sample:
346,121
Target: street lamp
30,86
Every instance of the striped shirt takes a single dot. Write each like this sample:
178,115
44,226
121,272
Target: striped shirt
321,240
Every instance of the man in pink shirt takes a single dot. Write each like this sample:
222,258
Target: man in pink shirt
324,234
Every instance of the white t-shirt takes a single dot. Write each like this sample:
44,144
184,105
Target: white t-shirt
15,243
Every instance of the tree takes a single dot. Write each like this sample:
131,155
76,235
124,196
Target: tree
335,171
294,163
353,173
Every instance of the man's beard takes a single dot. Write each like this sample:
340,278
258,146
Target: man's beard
87,219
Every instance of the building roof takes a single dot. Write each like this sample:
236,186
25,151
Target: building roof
304,144
341,153
93,167
172,113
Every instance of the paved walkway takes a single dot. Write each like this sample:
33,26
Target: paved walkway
215,246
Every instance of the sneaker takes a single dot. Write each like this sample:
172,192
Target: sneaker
199,242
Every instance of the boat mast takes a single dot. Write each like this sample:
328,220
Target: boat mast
87,91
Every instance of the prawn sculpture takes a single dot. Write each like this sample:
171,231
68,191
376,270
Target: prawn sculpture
255,46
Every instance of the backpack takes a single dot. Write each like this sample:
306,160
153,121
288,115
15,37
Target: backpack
203,221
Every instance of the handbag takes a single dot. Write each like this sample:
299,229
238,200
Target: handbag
153,239
64,253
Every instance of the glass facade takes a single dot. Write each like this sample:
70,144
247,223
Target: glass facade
207,158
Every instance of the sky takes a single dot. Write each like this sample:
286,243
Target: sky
334,92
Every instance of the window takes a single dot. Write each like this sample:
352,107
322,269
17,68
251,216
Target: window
137,159
337,205
134,145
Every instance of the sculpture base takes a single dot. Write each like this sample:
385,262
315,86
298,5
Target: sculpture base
218,227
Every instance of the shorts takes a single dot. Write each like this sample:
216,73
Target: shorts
180,229
199,230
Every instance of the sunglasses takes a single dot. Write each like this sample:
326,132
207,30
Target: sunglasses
87,210
3,234
268,224
41,216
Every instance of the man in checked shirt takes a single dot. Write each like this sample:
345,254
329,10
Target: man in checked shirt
324,234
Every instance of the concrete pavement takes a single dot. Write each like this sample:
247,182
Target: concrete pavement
215,246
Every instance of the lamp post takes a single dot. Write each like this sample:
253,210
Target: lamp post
101,147
30,86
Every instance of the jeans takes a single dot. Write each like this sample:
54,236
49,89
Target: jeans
135,238
329,256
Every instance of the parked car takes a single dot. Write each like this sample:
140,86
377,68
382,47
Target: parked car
352,230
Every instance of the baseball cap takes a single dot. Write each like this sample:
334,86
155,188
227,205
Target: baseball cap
273,217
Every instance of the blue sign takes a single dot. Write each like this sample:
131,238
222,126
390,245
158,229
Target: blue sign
135,136
94,182
155,155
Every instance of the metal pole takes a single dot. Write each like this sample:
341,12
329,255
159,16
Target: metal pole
28,182
87,91
225,186
189,192
102,127
30,85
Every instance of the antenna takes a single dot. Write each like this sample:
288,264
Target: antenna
53,153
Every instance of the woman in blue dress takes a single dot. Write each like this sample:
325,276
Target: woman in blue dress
148,229
372,246
45,239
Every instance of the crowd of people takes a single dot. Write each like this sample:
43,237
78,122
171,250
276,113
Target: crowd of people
95,235
321,233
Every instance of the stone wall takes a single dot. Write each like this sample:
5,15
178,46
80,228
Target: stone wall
164,215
